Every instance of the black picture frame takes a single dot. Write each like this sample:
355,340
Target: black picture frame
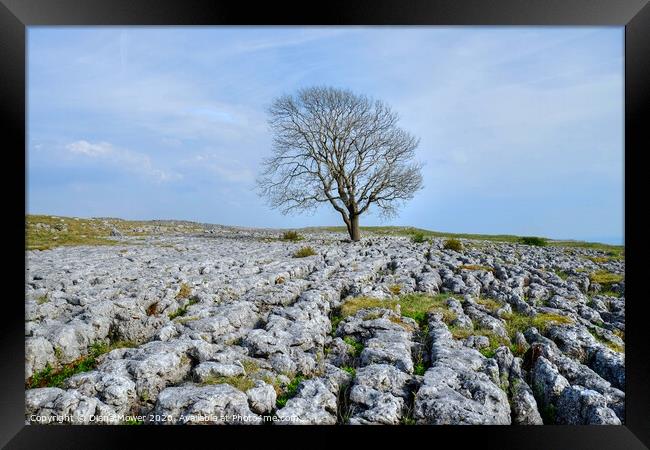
16,15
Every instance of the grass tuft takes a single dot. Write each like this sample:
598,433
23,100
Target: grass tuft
395,289
357,347
304,252
517,322
291,236
453,244
241,382
183,309
184,291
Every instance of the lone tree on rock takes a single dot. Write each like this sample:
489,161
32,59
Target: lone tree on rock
333,146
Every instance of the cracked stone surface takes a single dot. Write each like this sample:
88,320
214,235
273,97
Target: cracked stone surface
215,325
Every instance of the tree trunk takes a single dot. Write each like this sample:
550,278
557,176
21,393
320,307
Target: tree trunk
355,234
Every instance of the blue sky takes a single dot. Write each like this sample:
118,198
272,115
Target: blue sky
521,128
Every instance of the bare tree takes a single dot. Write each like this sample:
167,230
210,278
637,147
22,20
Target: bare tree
333,146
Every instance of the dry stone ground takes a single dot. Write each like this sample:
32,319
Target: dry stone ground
225,325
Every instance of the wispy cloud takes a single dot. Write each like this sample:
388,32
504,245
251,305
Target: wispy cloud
122,159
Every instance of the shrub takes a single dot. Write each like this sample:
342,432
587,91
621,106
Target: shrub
304,252
418,238
453,244
357,347
289,392
533,240
291,236
395,289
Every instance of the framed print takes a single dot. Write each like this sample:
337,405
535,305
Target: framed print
418,217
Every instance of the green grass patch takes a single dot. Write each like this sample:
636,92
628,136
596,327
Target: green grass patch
414,306
351,370
335,319
495,340
611,345
610,293
562,274
605,279
183,309
289,391
517,322
491,304
598,259
132,421
304,252
50,377
357,347
241,382
46,232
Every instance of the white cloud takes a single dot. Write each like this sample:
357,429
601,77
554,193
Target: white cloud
122,159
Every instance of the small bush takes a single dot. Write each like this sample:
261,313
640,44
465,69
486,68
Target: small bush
418,238
533,240
291,236
289,392
304,252
357,347
351,370
453,244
